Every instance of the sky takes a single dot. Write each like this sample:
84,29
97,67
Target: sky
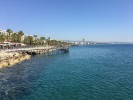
93,20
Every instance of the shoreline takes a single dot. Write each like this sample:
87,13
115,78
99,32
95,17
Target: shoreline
8,59
11,57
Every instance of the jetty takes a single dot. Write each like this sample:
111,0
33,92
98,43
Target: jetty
39,49
12,56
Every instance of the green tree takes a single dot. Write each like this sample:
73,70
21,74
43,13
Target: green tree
9,31
20,34
35,40
28,40
2,38
35,36
42,40
48,40
14,37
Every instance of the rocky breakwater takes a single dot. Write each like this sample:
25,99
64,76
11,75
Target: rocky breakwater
8,59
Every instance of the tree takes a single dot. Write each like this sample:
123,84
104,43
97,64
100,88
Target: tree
35,40
48,40
28,40
42,39
14,37
20,34
2,38
35,36
9,31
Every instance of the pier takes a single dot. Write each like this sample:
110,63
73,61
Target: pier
39,50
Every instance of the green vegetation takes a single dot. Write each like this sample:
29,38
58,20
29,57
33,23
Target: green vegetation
20,37
28,40
9,31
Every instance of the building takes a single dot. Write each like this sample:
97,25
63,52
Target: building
3,32
23,37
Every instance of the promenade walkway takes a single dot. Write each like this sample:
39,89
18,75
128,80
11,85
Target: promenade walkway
37,49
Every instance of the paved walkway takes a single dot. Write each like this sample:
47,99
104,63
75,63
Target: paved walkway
34,48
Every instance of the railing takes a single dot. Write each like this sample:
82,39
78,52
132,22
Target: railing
34,48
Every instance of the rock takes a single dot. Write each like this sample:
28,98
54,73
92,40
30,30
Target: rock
11,58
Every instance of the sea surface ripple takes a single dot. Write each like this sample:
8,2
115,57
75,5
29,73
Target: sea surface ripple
94,72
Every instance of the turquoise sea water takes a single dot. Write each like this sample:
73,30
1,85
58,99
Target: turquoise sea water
94,72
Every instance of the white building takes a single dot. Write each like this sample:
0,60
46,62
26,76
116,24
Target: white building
23,37
3,32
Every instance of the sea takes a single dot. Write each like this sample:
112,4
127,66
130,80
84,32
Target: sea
87,72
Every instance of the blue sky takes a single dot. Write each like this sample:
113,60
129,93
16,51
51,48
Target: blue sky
94,20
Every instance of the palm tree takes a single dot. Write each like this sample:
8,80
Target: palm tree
9,31
42,39
20,34
14,37
28,40
35,36
48,40
1,38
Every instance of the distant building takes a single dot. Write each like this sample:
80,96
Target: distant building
23,37
3,32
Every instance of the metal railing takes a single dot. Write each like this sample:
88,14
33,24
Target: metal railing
33,48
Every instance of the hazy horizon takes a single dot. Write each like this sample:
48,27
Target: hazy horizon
98,41
93,20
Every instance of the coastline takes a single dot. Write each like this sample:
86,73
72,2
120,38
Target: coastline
12,56
8,59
